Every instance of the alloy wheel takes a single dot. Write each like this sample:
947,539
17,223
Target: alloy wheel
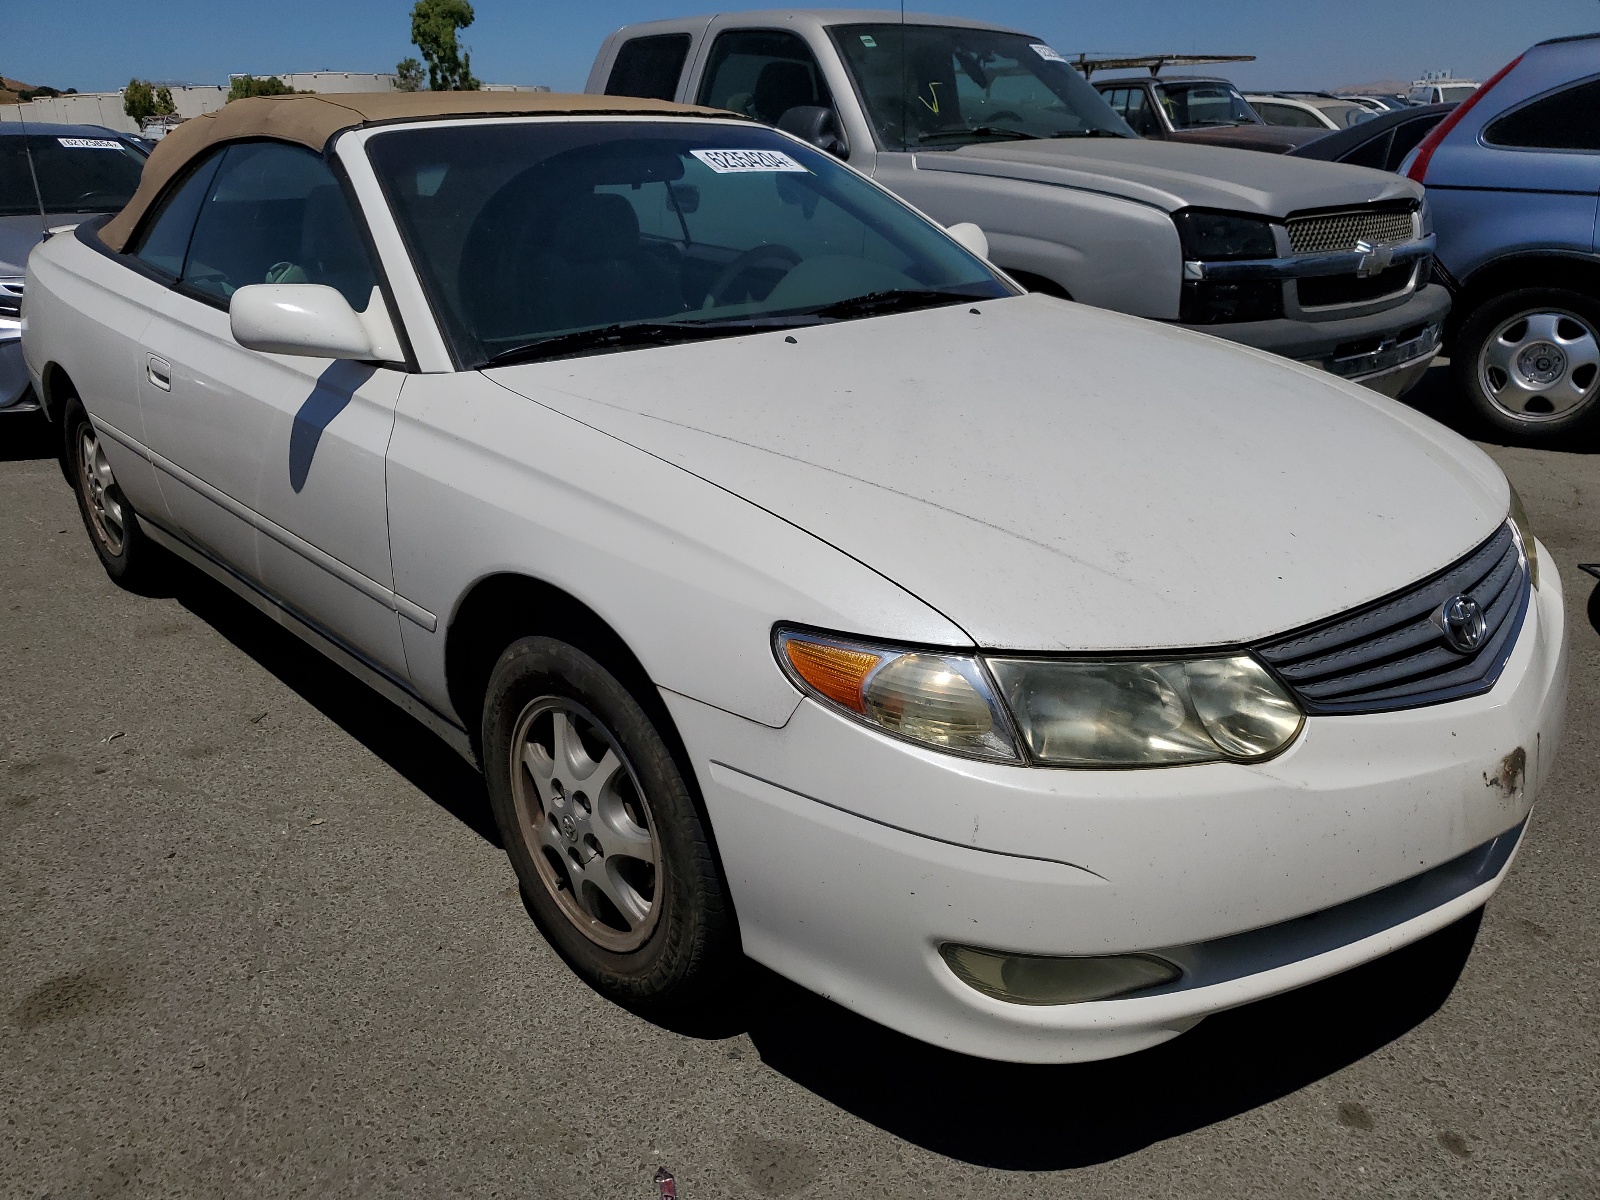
1541,365
586,823
107,509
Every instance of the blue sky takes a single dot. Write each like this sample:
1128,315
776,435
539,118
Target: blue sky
98,44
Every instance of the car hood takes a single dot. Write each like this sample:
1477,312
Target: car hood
18,235
1173,175
1274,139
1056,477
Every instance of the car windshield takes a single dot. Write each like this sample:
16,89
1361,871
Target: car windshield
76,173
1450,95
1205,104
576,236
930,86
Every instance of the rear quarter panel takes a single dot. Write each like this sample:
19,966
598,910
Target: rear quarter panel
85,314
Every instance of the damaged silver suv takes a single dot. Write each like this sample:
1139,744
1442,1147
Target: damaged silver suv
1320,262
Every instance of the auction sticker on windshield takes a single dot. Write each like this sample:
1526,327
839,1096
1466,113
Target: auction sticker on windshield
1046,53
733,162
90,143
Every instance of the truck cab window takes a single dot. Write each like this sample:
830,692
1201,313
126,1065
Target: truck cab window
763,73
649,67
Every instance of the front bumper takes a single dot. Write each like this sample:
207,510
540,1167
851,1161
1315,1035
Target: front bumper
852,857
1387,350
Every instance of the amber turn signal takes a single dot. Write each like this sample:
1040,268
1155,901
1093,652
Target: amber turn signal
832,671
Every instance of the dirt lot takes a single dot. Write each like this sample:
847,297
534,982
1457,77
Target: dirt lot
258,940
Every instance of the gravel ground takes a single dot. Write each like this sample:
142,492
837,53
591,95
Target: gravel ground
258,940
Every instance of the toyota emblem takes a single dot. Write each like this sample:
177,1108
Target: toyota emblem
1462,622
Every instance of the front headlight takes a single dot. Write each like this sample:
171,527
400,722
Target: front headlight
1524,528
1093,713
927,696
1221,236
1126,713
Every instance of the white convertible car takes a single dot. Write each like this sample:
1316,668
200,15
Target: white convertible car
1033,679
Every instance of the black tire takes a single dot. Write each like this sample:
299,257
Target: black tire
129,557
1572,406
689,947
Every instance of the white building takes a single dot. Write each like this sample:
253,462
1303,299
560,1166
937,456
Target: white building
193,100
105,108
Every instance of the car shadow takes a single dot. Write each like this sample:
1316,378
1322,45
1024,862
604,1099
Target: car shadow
1436,395
408,747
1041,1118
1000,1115
25,436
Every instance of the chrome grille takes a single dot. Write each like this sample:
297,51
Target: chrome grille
10,298
1390,654
1342,230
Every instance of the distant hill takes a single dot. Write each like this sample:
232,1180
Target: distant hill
1384,87
14,91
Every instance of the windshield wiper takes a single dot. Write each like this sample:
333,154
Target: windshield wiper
944,135
636,333
875,304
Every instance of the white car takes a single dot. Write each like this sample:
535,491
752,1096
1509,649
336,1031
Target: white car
1030,678
1309,111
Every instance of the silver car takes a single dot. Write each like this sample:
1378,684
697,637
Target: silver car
50,175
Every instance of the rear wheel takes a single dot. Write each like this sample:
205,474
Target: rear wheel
1529,362
128,556
606,840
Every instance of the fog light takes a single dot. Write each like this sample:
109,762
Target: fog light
1035,979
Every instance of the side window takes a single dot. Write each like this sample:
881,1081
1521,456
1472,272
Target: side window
166,237
1140,115
1286,114
1373,153
763,74
649,67
1406,139
1568,120
276,214
1118,101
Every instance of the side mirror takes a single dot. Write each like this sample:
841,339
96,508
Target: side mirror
817,125
312,320
971,237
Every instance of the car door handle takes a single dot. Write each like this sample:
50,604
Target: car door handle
160,372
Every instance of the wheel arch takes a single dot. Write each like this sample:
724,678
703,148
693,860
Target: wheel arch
500,608
1569,272
58,389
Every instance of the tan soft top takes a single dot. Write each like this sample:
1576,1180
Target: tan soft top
312,119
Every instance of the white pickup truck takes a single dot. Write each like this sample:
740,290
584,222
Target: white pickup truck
1321,262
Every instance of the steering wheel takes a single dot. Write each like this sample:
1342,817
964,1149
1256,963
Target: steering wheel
1015,116
751,258
90,196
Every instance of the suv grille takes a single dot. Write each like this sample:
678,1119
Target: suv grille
1391,655
1320,291
11,298
1342,230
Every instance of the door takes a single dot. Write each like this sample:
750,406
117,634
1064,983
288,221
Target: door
275,463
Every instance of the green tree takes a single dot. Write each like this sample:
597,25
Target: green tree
165,107
248,85
408,76
433,30
139,99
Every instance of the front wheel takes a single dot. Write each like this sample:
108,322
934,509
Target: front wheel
602,830
128,556
1529,363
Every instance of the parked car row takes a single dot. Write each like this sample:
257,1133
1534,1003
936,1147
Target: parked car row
49,175
1030,678
973,122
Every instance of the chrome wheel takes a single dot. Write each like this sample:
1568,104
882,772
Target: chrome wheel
1540,365
586,823
107,512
